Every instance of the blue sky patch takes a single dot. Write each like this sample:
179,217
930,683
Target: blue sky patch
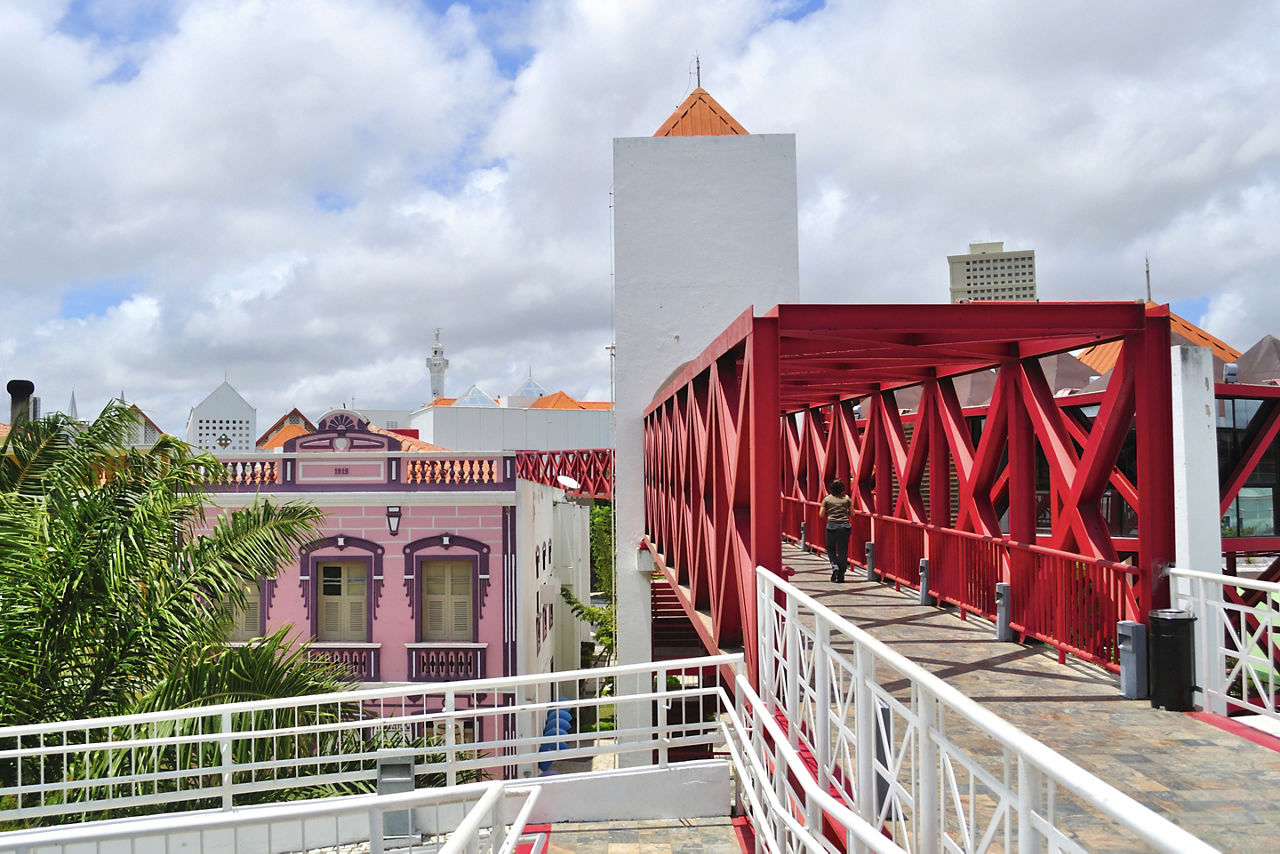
1188,309
117,21
333,201
798,9
123,73
95,298
495,22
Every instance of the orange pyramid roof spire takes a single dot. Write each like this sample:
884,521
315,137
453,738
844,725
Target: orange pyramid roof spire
700,115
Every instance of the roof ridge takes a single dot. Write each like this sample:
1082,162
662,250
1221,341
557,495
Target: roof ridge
700,115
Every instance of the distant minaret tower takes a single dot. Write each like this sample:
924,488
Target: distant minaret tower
437,365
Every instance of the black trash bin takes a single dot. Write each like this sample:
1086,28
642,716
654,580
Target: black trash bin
1172,665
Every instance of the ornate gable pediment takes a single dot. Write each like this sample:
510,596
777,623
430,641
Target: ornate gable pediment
340,431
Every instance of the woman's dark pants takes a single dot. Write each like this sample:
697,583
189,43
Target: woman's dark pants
838,551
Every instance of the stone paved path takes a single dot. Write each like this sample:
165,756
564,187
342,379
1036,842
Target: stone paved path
1219,786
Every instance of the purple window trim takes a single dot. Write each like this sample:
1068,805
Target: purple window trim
266,594
309,576
509,586
480,578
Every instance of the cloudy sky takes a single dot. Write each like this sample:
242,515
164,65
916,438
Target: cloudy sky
293,193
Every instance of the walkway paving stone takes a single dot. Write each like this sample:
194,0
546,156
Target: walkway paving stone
1219,786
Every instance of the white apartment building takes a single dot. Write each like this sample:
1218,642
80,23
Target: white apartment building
990,274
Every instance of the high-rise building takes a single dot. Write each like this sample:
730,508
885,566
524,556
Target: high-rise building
990,274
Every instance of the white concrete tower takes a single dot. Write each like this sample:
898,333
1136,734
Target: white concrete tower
705,225
437,365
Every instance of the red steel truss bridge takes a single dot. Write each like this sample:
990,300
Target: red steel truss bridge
1068,498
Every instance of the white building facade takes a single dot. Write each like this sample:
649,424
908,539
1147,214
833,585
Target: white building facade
223,421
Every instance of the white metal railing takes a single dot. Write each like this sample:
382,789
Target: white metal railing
916,759
778,792
244,753
1236,639
474,818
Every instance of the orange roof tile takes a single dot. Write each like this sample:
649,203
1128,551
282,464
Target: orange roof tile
4,430
442,401
267,435
556,400
700,115
560,400
407,443
1102,357
284,434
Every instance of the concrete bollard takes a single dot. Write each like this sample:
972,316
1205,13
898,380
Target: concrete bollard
871,562
925,598
1003,631
1132,639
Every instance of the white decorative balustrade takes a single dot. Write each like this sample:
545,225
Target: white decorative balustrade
1237,640
248,753
916,759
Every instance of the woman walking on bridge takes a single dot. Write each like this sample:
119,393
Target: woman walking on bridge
835,509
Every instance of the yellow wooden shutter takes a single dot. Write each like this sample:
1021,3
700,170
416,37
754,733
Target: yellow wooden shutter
446,601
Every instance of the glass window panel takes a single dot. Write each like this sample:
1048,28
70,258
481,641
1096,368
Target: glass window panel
331,580
1257,511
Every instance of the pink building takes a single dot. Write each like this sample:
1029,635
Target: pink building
431,565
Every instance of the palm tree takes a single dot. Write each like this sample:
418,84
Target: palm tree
115,593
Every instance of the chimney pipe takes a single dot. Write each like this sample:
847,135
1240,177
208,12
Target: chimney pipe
20,392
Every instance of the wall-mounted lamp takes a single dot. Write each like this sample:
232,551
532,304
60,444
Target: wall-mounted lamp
393,520
342,542
444,541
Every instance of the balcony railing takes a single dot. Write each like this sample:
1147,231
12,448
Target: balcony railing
358,660
315,471
445,662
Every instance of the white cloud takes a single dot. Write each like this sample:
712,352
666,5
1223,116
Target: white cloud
297,192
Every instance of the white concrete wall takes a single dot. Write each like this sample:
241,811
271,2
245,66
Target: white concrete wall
224,411
703,228
1197,525
683,790
1196,518
476,428
535,525
572,565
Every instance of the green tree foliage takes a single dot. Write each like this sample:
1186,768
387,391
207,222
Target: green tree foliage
114,594
602,548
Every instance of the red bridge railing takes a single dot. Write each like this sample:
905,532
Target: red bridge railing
1069,602
592,469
